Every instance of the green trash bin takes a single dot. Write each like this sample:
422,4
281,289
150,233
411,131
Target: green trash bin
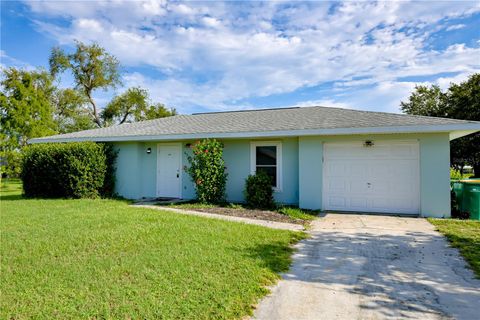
470,200
457,188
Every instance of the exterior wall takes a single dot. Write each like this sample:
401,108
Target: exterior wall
237,160
310,154
435,175
434,169
137,170
302,169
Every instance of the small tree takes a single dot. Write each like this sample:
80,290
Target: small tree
207,171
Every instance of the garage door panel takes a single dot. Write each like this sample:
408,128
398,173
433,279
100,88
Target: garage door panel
337,186
358,186
382,178
358,202
337,202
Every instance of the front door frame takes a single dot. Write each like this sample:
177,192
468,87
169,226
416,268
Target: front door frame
179,145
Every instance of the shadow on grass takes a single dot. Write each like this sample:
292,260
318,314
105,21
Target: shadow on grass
10,197
469,248
275,256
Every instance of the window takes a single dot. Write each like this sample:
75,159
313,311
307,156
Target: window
267,156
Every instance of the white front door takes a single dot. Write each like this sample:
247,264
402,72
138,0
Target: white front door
384,177
169,170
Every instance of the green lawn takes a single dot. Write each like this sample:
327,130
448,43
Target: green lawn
464,235
100,259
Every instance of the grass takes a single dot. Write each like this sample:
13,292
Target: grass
95,259
464,235
292,212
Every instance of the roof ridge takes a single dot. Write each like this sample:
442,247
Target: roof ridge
245,110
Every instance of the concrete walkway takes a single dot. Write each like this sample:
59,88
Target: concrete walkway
374,267
263,223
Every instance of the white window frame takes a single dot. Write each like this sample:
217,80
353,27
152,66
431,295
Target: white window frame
253,160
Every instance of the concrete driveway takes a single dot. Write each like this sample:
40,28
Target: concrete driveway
374,267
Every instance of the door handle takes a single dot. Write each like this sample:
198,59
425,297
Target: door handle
178,175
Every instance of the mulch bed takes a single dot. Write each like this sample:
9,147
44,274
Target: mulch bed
248,213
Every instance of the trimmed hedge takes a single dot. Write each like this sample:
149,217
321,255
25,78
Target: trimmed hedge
68,170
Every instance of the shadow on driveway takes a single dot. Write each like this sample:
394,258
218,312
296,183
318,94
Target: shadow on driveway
371,267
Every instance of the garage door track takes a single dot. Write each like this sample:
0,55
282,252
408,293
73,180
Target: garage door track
374,267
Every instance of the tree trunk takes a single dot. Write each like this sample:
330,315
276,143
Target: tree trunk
96,118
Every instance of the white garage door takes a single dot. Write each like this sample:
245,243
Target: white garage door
380,178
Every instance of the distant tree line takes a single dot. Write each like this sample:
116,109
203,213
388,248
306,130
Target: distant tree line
33,105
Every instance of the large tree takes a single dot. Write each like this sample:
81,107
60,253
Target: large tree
459,101
92,68
133,105
25,112
71,112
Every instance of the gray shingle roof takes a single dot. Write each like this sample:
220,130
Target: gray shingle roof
297,121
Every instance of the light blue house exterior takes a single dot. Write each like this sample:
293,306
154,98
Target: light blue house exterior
301,169
322,158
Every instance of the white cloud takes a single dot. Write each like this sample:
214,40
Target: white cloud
214,54
455,27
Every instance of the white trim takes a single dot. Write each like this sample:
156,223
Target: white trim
253,160
465,128
180,186
355,142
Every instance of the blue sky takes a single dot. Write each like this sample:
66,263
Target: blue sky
208,56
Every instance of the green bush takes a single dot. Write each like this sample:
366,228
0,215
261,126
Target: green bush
207,171
455,174
259,191
70,170
108,188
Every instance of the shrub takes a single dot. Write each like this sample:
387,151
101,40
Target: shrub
455,174
108,188
259,191
70,170
207,171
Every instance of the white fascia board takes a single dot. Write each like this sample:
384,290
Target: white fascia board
451,128
458,134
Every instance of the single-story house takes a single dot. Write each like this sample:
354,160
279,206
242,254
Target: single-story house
319,158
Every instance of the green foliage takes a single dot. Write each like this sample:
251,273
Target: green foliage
10,161
133,105
25,112
25,107
259,191
92,68
426,101
71,170
207,171
460,101
71,112
297,213
111,154
455,174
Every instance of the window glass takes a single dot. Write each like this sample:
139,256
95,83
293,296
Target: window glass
266,160
266,155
